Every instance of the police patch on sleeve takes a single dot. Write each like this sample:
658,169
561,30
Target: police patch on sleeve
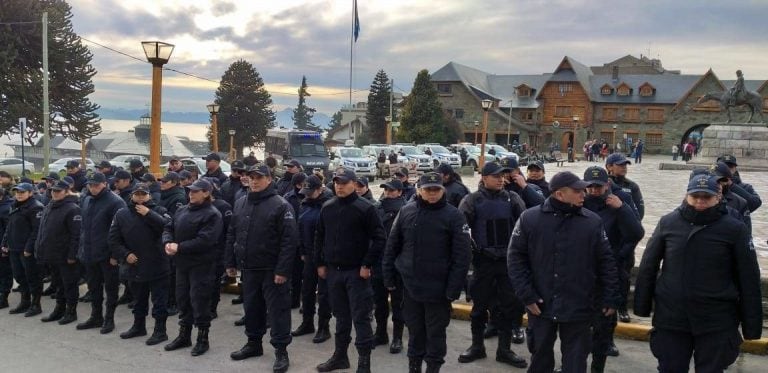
39,215
77,218
288,214
228,213
517,231
465,228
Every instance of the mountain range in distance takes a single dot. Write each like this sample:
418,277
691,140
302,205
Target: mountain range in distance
283,118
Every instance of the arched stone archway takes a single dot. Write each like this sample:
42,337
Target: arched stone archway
690,133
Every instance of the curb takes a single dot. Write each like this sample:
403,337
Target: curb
637,332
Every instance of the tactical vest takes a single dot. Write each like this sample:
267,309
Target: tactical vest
493,224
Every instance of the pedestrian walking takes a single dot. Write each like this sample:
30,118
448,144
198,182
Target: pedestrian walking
428,248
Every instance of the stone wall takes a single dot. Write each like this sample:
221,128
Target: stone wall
747,142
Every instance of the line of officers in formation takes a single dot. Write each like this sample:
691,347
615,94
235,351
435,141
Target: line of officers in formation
560,251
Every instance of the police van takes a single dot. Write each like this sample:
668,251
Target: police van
304,146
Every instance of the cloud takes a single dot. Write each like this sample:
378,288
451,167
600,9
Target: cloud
287,39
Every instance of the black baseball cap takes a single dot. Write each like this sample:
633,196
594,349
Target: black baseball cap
148,178
596,175
135,163
96,178
698,171
298,178
262,170
237,166
430,180
213,157
704,184
52,176
104,164
393,184
403,171
311,184
616,158
61,185
171,176
444,168
362,181
201,184
185,174
566,179
493,168
720,170
510,162
24,187
292,162
728,159
122,175
72,164
141,189
345,176
536,164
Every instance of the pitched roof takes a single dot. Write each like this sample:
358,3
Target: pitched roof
570,70
669,88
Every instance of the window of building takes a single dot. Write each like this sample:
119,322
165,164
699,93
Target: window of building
655,115
564,88
526,116
444,89
647,90
523,91
623,90
653,139
610,114
631,114
562,111
458,113
606,90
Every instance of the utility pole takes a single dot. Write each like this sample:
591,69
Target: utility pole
46,107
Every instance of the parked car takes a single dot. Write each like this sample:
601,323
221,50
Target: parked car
122,161
440,154
13,166
61,163
354,159
473,154
197,162
423,162
501,152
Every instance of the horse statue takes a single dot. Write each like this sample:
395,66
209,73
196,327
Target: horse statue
727,101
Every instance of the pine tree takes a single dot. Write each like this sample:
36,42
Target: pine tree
72,114
422,118
335,121
245,106
378,108
302,114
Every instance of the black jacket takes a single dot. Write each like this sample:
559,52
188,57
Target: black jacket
349,234
531,194
563,257
173,198
141,235
5,210
196,229
217,174
622,226
225,209
309,215
23,223
747,192
491,235
294,199
229,189
126,193
429,247
455,191
710,280
408,191
542,184
79,178
631,188
262,234
59,235
98,212
284,184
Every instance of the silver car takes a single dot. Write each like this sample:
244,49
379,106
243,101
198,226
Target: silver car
13,166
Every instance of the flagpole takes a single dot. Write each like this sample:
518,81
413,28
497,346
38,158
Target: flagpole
351,43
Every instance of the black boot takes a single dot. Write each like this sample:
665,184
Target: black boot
23,306
381,337
624,316
251,349
238,299
202,342
86,298
339,360
3,300
323,332
433,367
138,329
159,334
50,290
397,338
183,340
414,365
240,321
95,321
57,314
281,360
70,315
598,364
34,308
126,298
505,355
476,350
306,327
612,350
109,321
363,360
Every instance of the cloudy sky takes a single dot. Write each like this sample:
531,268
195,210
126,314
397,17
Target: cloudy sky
289,38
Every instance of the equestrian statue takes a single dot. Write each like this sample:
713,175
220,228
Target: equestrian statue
737,95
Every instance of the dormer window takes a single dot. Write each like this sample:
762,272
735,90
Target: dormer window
647,90
606,90
623,90
523,91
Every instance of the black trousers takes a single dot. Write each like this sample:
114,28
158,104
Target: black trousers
575,344
193,295
68,275
382,301
602,334
159,290
351,302
712,352
314,289
262,297
26,272
6,275
426,322
218,271
491,287
296,279
625,276
172,286
103,277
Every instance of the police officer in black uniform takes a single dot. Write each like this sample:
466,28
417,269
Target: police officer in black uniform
98,209
136,239
535,173
531,194
742,189
559,260
349,241
491,213
233,184
58,239
262,238
172,197
294,197
284,185
225,209
408,189
191,238
624,231
124,185
709,284
429,248
213,168
455,190
6,271
616,165
77,174
388,208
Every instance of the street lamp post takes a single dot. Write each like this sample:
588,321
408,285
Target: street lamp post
486,105
477,125
158,54
214,110
232,155
614,138
509,125
388,119
23,131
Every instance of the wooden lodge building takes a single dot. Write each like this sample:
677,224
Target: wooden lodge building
624,100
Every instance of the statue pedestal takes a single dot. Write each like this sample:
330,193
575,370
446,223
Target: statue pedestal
748,142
